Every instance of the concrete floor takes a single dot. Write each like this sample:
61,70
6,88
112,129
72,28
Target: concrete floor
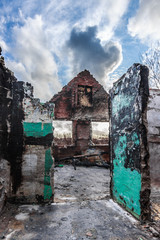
84,183
82,210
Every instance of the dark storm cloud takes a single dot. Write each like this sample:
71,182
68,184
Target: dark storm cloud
88,53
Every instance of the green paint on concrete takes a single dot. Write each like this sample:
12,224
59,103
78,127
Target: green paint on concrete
121,101
52,114
135,138
37,129
47,180
126,183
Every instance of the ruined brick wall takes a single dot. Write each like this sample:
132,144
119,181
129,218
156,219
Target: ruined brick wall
66,102
130,182
81,101
153,117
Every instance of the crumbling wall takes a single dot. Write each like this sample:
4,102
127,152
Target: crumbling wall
37,161
69,107
153,117
26,136
81,101
7,80
130,180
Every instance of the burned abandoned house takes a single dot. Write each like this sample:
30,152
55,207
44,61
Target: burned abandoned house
82,103
27,137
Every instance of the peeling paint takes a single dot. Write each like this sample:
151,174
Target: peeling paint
47,179
130,182
36,130
127,182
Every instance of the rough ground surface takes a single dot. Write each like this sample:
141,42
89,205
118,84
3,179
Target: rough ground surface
84,183
75,216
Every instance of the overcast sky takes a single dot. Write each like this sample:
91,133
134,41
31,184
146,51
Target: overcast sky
48,42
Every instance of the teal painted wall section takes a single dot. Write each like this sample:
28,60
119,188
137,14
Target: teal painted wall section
127,182
128,141
47,179
37,129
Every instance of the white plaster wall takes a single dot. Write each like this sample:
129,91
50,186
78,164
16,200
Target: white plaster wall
36,112
33,171
153,113
4,181
153,117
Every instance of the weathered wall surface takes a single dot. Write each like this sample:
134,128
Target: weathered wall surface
130,183
73,104
7,80
81,101
153,117
37,162
26,135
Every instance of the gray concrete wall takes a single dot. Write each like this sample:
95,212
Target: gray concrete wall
153,117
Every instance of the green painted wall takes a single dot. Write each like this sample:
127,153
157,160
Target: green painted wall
126,141
127,182
37,129
47,179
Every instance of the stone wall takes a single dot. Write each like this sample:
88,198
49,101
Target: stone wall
130,181
153,117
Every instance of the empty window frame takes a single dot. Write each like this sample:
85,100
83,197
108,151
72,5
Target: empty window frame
84,96
100,132
62,132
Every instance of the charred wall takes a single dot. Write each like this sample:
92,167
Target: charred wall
130,182
7,90
74,102
81,101
26,136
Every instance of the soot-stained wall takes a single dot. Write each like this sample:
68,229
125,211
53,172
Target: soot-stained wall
130,180
81,101
26,136
37,161
9,113
82,98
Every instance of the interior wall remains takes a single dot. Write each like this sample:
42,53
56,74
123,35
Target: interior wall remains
130,176
83,101
26,136
153,117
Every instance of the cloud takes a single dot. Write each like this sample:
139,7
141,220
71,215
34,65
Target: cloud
3,45
104,14
36,33
145,24
88,53
33,60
